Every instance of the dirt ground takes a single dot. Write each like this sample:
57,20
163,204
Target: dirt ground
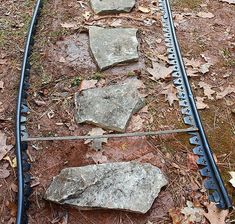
56,75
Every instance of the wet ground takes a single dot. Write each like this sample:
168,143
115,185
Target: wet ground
61,59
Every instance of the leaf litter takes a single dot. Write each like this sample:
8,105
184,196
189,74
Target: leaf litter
159,71
170,93
96,143
4,148
207,89
215,215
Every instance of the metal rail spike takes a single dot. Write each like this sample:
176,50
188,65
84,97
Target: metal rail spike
23,166
213,181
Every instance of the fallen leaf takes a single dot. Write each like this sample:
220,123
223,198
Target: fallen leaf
1,85
159,71
204,68
228,1
232,180
176,216
206,15
215,215
208,91
96,143
225,92
192,62
170,93
12,207
143,9
98,157
4,148
200,104
68,25
87,84
192,161
191,72
13,163
4,173
192,214
136,123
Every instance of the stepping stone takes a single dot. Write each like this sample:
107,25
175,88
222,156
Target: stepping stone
128,186
112,6
111,46
109,107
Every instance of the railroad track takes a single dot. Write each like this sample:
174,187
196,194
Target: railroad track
213,182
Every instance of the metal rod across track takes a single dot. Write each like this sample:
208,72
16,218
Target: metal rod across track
124,135
213,181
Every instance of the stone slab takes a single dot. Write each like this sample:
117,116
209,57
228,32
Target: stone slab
128,186
109,107
112,46
112,6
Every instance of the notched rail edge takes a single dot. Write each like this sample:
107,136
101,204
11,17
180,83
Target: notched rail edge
23,166
213,181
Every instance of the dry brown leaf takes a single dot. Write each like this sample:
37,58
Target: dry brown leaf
192,62
232,180
98,157
192,161
191,72
136,123
208,91
170,93
143,9
159,71
87,84
225,92
229,1
4,148
96,143
204,68
176,216
206,15
215,215
200,104
4,173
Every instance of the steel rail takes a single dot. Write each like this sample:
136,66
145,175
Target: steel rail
213,182
20,130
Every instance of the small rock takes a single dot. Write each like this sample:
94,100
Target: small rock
128,186
109,107
112,6
111,46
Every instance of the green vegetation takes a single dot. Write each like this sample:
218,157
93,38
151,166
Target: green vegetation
76,81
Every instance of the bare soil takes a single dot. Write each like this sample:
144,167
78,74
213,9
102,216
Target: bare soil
56,76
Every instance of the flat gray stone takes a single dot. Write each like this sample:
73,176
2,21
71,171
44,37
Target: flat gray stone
111,46
109,107
112,6
128,186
